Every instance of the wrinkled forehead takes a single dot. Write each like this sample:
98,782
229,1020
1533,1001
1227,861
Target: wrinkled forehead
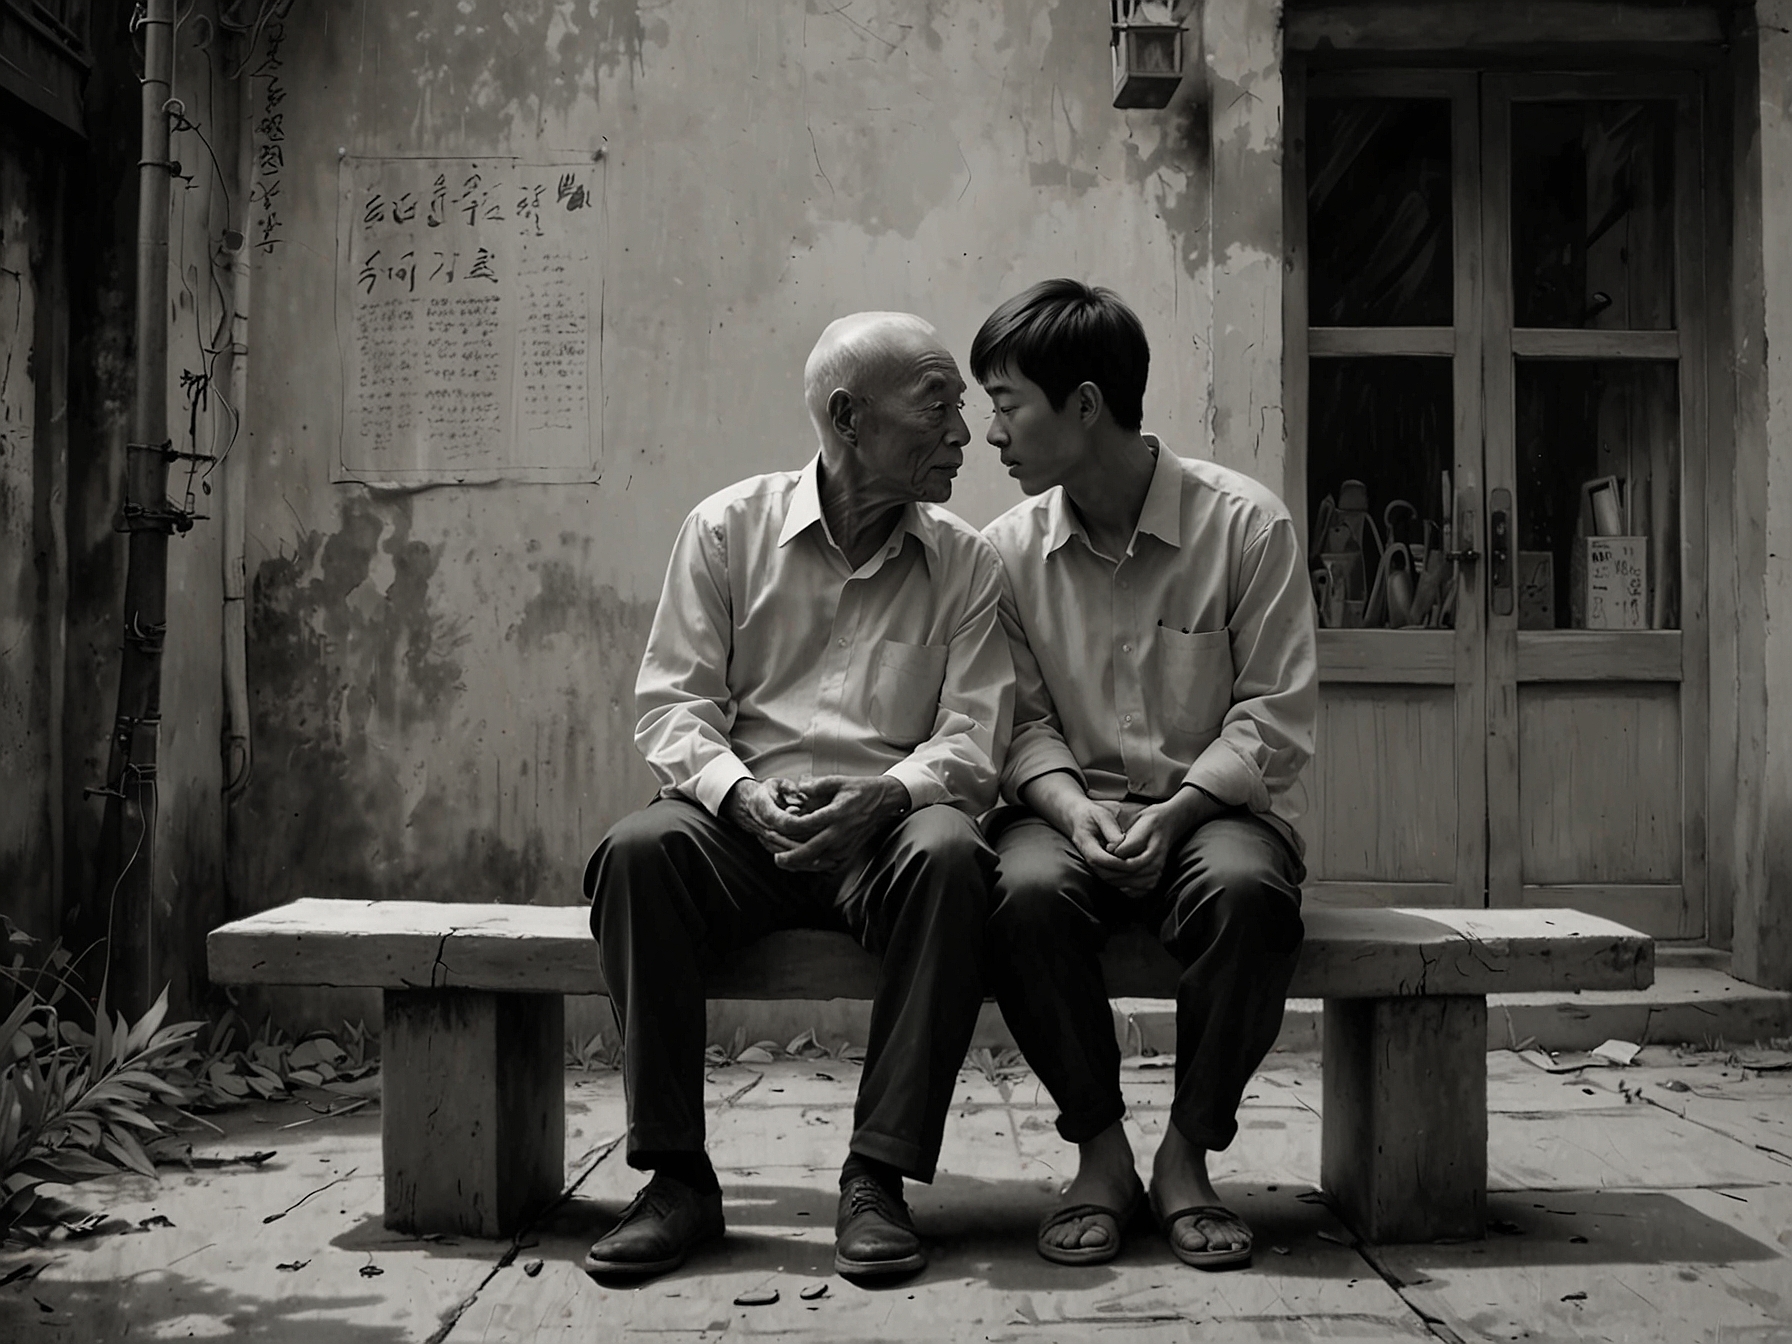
922,364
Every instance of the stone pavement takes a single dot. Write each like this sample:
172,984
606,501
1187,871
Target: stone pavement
1647,1203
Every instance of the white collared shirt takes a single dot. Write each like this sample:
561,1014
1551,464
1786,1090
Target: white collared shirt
1190,659
769,655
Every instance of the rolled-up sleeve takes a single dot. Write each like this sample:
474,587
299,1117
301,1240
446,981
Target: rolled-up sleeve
1038,747
681,693
1266,738
960,762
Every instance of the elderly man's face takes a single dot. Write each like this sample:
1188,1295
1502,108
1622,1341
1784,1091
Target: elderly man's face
912,435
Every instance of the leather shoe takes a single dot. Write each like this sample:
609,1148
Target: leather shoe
874,1235
657,1230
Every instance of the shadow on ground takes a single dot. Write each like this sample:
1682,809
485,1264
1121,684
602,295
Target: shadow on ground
1591,1227
167,1305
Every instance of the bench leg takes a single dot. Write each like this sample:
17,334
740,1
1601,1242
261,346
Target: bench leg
1404,1152
472,1109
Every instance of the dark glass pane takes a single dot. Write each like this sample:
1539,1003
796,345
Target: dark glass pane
1593,215
1378,212
1598,495
1379,453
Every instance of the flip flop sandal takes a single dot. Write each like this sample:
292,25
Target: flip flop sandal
1088,1255
1205,1259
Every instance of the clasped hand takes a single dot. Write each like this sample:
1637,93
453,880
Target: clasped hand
818,823
1127,845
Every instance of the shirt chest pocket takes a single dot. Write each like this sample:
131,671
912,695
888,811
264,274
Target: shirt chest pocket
905,691
1197,679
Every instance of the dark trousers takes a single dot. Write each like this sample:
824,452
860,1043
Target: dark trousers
1227,908
674,888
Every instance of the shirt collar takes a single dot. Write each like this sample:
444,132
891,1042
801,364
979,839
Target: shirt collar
1161,514
805,502
805,512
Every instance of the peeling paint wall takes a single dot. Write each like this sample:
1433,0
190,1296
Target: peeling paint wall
442,679
33,349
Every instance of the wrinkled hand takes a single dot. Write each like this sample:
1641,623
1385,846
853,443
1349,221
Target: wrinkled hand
836,817
1094,829
1136,864
764,809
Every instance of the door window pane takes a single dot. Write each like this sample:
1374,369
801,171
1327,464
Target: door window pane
1593,215
1379,454
1598,495
1378,212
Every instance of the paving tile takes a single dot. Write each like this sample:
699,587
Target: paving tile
1622,1147
1662,1258
215,1273
983,1282
1653,1265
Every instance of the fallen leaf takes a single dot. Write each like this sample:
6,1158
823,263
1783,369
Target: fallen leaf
25,1273
1549,1063
753,1054
1574,1297
86,1227
532,1268
156,1220
1618,1052
1336,1241
292,1265
1578,1241
814,1291
757,1297
371,1271
1674,1085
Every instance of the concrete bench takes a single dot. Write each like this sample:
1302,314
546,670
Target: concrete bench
473,1122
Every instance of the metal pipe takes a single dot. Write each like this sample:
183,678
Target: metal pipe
238,754
127,894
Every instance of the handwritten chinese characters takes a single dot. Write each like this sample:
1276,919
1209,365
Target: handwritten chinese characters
270,145
471,290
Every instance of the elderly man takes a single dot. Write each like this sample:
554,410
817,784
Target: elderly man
1166,691
825,698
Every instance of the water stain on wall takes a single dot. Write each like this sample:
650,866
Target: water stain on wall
336,664
587,756
358,684
481,68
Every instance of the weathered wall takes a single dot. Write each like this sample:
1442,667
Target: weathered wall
33,351
442,678
1760,500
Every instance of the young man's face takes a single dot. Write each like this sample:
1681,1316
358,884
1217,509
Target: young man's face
1039,446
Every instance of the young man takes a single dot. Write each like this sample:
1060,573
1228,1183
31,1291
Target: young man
825,697
1162,628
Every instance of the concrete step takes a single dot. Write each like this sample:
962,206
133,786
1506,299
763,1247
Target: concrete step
1689,1004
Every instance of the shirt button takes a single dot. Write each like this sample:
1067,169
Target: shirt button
1126,648
841,643
1127,719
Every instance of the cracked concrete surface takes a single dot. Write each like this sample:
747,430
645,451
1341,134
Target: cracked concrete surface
1622,1208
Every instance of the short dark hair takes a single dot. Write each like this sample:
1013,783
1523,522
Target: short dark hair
1061,334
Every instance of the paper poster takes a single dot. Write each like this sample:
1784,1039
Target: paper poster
468,294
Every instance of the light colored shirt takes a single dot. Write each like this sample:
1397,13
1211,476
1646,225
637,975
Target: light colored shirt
770,655
1191,659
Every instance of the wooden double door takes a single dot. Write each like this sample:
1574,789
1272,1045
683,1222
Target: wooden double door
1495,392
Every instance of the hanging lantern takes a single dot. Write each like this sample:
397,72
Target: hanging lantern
1147,43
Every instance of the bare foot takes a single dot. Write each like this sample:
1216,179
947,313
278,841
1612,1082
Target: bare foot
1179,1181
1105,1176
